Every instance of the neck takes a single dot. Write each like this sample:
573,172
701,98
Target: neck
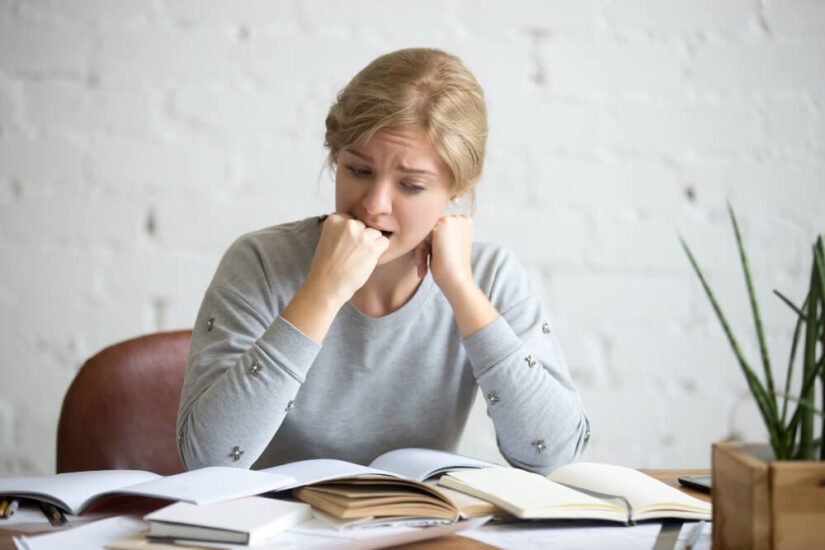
389,287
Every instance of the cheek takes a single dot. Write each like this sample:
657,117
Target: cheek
422,220
343,195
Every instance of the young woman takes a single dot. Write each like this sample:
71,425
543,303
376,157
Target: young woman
371,329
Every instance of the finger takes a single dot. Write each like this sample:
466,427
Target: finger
374,234
383,242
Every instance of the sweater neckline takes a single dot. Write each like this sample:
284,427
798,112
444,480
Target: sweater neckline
407,311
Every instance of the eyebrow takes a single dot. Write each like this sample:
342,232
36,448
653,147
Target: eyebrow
402,168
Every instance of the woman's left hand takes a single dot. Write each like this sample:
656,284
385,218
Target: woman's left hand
449,253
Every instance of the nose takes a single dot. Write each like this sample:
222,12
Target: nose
378,199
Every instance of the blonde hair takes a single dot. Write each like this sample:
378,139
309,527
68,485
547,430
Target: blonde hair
416,86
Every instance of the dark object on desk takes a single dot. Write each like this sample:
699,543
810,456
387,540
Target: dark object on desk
120,410
700,483
668,535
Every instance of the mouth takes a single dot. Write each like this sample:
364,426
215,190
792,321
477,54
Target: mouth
384,232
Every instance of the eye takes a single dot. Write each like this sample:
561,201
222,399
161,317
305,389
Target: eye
412,187
358,172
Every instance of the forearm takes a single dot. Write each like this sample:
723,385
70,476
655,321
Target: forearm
472,310
239,399
537,413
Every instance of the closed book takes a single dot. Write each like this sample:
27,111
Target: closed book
248,521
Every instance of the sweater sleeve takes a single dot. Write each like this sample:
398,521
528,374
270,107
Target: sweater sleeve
539,420
243,371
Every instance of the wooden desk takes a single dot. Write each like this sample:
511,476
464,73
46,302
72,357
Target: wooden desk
671,478
457,542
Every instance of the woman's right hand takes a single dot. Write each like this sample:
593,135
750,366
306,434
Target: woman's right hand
346,256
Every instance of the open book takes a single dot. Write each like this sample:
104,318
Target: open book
391,487
75,491
581,490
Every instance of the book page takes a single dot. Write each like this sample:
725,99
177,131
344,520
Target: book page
420,464
471,506
643,492
528,495
75,490
305,472
210,484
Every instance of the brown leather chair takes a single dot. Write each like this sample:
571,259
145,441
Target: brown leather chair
121,408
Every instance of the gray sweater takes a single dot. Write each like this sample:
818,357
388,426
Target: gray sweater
258,392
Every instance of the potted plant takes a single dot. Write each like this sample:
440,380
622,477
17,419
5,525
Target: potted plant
772,496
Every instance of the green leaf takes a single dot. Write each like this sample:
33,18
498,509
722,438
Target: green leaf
790,304
804,403
810,369
794,343
819,261
763,401
757,318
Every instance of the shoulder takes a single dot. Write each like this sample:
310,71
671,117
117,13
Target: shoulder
295,236
498,272
281,251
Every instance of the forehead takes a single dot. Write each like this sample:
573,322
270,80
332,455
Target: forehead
408,143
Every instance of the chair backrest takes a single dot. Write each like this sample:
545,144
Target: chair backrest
120,410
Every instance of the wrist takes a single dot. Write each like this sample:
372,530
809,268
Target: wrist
457,286
312,312
323,294
472,310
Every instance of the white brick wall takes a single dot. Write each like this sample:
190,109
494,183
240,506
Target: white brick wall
138,139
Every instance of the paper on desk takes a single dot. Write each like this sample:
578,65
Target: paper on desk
562,535
210,484
314,535
91,536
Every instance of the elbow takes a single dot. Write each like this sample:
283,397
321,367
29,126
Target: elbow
551,455
193,454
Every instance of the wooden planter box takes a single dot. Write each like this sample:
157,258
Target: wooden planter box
765,504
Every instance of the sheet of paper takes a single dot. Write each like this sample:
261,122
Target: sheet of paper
560,535
313,535
321,469
211,484
640,490
526,494
90,536
74,488
421,464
